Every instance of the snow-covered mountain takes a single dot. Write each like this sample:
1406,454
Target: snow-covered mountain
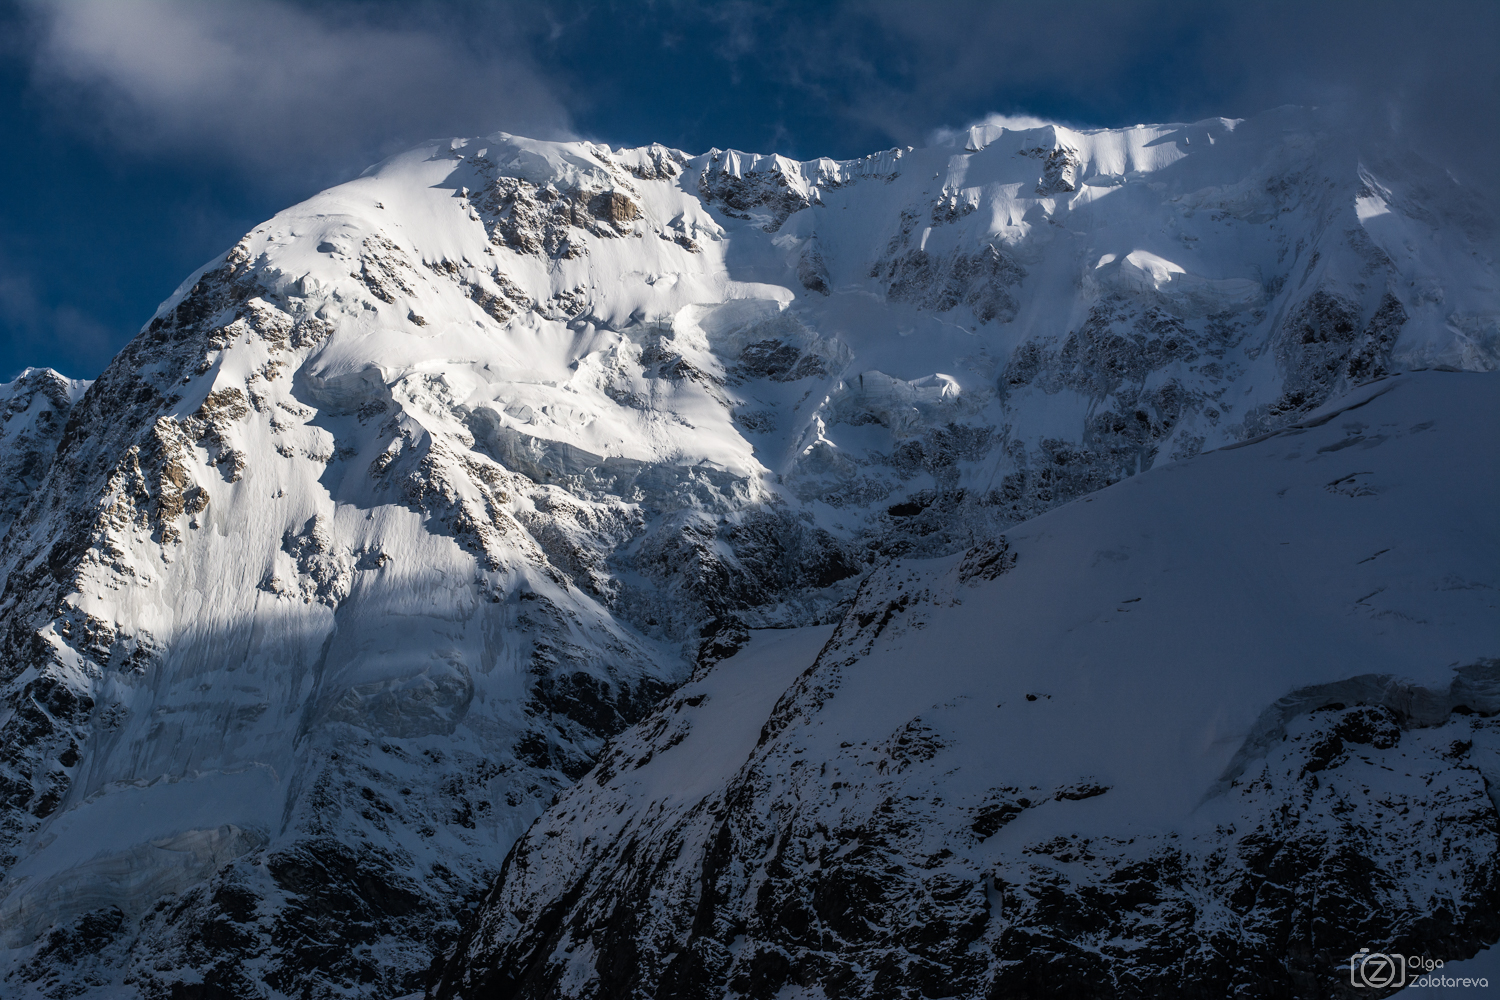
34,411
1206,733
355,557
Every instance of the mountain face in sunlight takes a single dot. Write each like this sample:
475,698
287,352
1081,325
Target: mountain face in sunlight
355,558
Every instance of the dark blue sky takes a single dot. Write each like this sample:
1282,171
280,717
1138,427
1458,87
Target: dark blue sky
144,138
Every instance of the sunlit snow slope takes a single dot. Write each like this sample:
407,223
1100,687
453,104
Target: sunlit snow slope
1205,733
394,513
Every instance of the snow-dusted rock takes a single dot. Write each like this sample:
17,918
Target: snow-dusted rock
34,411
1205,733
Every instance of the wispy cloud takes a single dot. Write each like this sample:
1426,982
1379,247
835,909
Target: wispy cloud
275,86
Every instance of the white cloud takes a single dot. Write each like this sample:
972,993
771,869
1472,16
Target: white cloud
269,84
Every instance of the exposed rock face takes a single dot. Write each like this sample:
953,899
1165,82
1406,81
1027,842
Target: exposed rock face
769,189
1060,168
1323,347
989,782
393,515
983,281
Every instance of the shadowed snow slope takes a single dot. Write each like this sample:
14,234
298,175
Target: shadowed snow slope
1207,732
396,512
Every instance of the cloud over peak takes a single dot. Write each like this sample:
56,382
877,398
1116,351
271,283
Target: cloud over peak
270,83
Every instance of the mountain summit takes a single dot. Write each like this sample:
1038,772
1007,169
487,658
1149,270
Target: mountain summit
355,558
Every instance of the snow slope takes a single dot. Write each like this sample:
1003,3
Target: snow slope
395,513
1205,732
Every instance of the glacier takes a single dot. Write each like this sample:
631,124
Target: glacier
398,512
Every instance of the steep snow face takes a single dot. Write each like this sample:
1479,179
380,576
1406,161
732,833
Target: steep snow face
393,514
1222,725
33,413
